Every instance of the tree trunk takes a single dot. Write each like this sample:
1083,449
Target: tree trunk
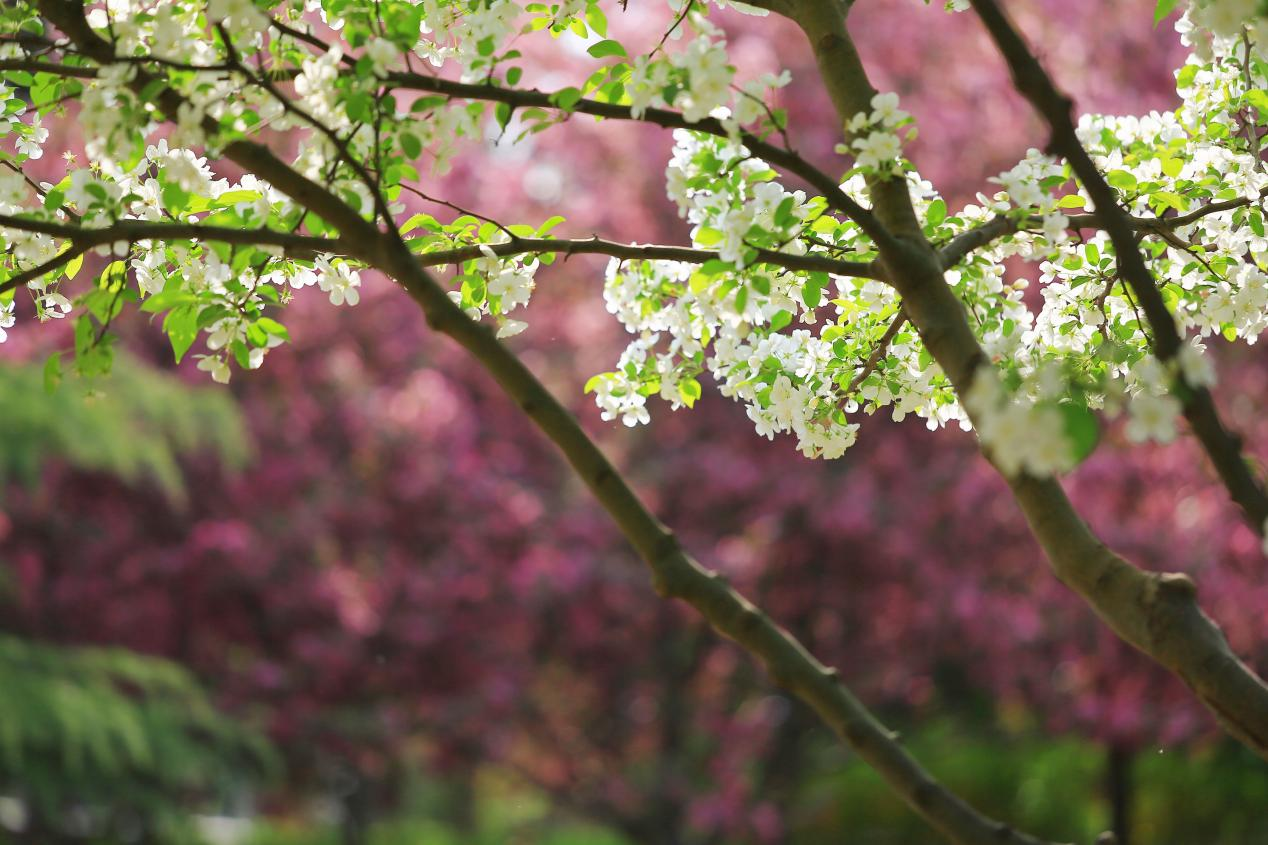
1118,791
355,804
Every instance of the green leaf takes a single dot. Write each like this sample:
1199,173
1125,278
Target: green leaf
1258,98
783,214
689,391
606,47
707,237
503,114
1121,179
181,326
52,372
1162,200
419,219
1163,8
410,145
1081,428
72,266
235,197
167,299
812,291
937,213
545,228
257,335
780,320
597,20
273,327
175,197
566,98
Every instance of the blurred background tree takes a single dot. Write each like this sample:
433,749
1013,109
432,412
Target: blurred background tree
97,744
108,746
446,639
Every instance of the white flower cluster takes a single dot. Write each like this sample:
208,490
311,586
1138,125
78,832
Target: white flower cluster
803,351
495,286
6,319
1197,164
1084,348
701,78
181,272
467,32
729,318
1226,18
1021,435
1024,189
877,147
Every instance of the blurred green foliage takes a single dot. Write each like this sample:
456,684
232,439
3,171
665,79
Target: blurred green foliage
423,832
105,745
1214,795
127,740
132,424
1053,787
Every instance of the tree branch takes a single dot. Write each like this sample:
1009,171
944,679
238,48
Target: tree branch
55,263
674,572
965,243
651,252
1157,613
55,68
665,118
882,347
786,159
84,239
1221,445
678,575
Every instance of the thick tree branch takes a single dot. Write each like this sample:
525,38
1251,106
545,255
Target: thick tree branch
1157,613
675,573
1222,446
139,230
851,92
678,575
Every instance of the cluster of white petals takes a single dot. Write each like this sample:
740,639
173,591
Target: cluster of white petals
804,352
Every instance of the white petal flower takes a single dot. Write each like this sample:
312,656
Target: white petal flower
510,328
217,366
1152,418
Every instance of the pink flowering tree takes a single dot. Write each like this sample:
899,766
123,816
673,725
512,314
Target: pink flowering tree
1140,229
